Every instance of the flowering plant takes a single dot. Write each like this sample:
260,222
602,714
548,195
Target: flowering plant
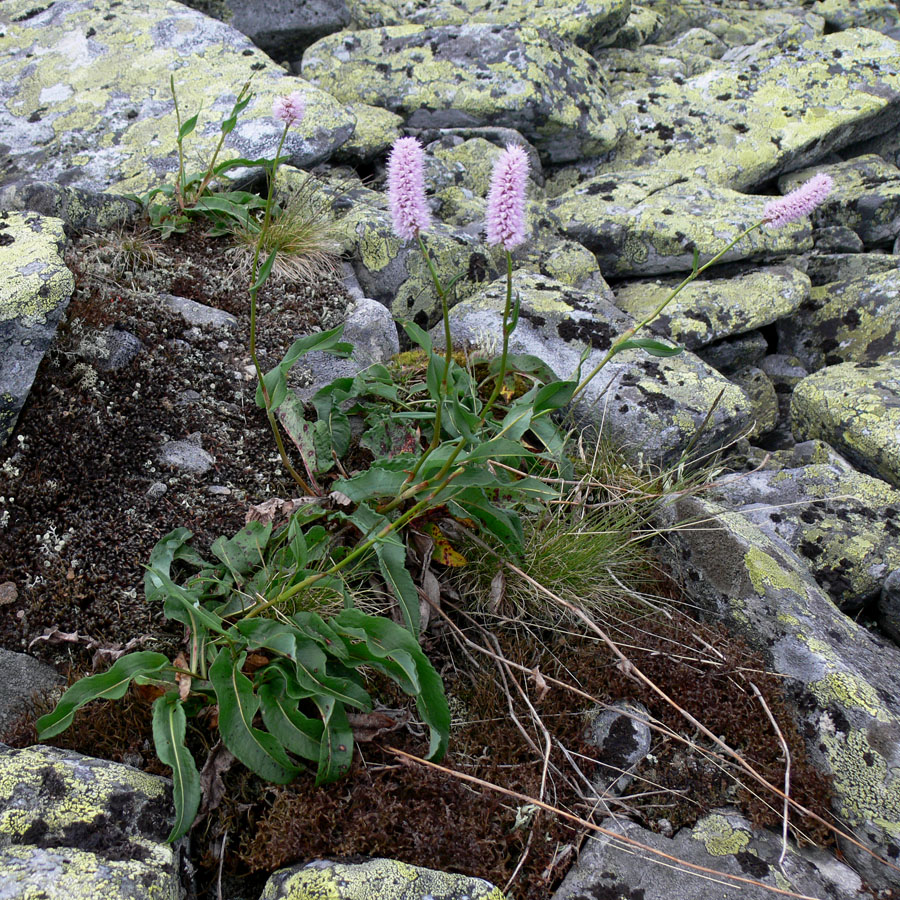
271,657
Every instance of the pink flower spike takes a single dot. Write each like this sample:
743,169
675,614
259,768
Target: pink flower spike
798,203
406,188
506,198
290,109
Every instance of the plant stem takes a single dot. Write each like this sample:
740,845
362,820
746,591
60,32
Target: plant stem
501,375
208,176
254,290
658,311
179,196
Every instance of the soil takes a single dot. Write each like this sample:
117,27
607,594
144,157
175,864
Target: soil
86,497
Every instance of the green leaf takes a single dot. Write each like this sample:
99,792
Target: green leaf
290,727
293,418
161,557
654,348
241,162
381,479
417,336
524,362
238,704
109,685
244,552
187,127
229,123
336,747
503,524
554,395
184,606
264,271
379,641
169,727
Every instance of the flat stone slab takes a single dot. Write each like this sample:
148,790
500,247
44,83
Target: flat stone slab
855,320
647,225
587,23
737,126
474,75
355,881
648,406
77,110
716,308
855,407
34,293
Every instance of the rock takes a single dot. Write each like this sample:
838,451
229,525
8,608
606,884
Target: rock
80,210
881,15
285,28
639,225
446,76
354,881
865,197
650,408
110,350
87,117
761,393
845,321
22,676
587,23
840,677
34,294
855,407
716,308
844,266
738,127
843,523
731,353
723,841
188,456
72,826
376,130
198,314
622,736
889,606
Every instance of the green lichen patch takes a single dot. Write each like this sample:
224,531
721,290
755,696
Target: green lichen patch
587,23
471,75
376,129
32,872
878,14
855,407
660,231
737,125
856,320
720,837
376,879
84,114
715,308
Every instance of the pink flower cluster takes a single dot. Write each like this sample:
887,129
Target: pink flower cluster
290,109
406,188
798,203
506,198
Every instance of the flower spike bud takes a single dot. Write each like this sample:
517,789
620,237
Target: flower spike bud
406,188
506,198
290,109
798,203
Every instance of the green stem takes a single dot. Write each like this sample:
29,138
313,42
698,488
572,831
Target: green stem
658,311
179,196
501,375
208,176
254,290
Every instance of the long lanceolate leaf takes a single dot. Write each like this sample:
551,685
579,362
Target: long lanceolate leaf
169,726
109,685
336,748
238,704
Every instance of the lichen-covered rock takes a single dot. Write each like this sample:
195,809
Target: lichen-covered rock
620,737
841,677
715,308
59,798
845,321
80,210
844,266
65,873
761,393
587,23
34,293
881,15
855,407
649,407
375,879
636,227
723,841
843,523
76,109
518,77
642,26
865,197
738,127
731,353
376,129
